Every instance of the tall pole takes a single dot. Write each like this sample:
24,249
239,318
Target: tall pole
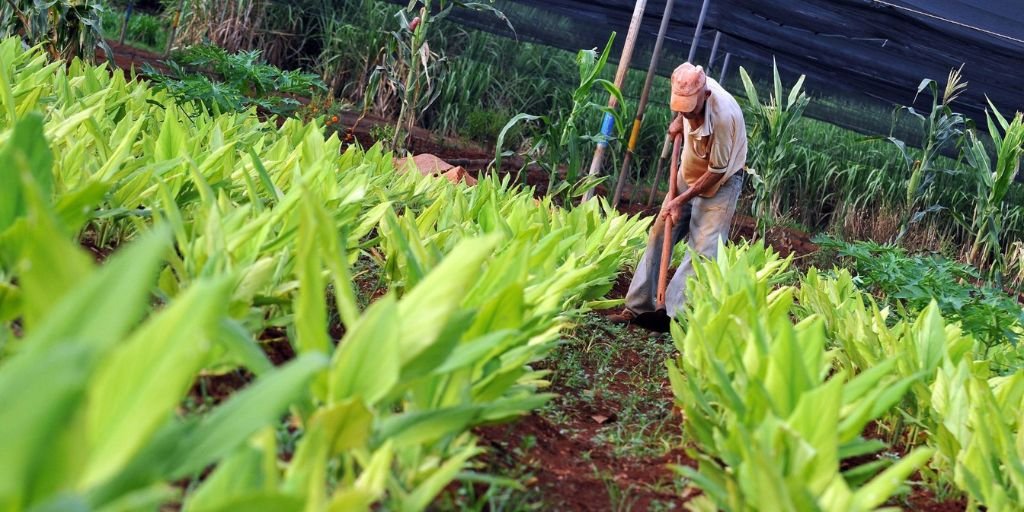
714,50
725,66
124,25
608,122
696,31
652,71
665,148
174,27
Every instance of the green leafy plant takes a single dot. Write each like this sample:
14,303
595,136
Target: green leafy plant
108,428
480,281
909,283
771,140
768,421
992,185
957,406
66,28
240,81
486,125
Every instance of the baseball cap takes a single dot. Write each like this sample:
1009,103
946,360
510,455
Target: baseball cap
688,84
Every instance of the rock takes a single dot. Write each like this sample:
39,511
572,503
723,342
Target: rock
430,165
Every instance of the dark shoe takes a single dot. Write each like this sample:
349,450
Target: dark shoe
657,321
625,317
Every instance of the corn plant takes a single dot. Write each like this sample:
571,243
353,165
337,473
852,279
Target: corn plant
67,29
560,143
771,138
942,128
992,185
1015,264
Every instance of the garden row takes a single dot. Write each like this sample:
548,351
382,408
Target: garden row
226,227
837,411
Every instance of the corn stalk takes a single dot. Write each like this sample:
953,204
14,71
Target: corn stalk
942,128
67,29
771,142
992,185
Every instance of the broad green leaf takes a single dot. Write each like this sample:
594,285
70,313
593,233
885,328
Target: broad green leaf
261,501
426,491
423,427
41,392
25,157
258,405
105,306
426,308
816,418
140,384
472,352
883,486
251,470
366,363
347,425
240,348
50,265
447,343
310,302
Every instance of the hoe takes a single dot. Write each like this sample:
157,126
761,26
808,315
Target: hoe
666,247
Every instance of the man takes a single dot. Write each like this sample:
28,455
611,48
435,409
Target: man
714,152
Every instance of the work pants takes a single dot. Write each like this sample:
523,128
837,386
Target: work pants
707,220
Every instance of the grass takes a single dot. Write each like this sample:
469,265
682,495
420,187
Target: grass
599,368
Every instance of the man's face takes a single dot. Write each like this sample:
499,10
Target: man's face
698,109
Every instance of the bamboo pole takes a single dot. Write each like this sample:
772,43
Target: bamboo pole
665,148
174,28
652,70
725,67
697,30
714,50
124,25
620,76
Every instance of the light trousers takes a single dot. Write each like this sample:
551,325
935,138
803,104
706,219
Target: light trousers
706,220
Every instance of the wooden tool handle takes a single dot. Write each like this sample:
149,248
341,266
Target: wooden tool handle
666,246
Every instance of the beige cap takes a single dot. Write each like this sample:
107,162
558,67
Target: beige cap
688,85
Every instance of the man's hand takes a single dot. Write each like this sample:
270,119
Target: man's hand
672,210
676,126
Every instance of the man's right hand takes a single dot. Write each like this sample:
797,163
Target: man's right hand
676,126
672,211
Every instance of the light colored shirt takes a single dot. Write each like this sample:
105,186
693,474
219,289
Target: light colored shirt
719,145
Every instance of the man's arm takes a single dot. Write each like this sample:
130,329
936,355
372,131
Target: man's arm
702,185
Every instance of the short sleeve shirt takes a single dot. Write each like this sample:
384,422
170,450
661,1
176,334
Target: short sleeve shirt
719,145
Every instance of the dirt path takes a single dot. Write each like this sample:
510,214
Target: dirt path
610,438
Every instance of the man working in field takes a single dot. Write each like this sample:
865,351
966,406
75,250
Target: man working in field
714,152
